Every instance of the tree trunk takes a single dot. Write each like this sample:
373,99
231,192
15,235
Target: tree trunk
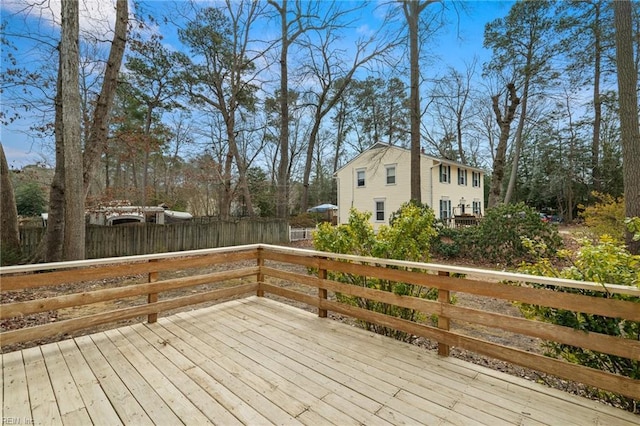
313,138
226,195
74,222
519,142
628,98
97,141
412,11
501,150
241,163
282,188
597,101
9,231
50,247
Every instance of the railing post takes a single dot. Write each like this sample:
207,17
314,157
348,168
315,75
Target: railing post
443,322
152,297
322,292
260,275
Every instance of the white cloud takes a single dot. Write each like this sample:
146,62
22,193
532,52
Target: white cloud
97,17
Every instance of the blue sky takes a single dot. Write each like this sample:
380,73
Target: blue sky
453,45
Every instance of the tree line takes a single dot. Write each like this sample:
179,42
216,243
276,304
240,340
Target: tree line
252,106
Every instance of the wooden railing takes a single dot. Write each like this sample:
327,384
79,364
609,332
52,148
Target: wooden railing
149,284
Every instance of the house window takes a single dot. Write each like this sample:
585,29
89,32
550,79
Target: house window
475,176
477,208
445,209
360,178
462,177
391,175
379,211
445,173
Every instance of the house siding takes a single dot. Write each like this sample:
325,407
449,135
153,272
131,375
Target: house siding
375,161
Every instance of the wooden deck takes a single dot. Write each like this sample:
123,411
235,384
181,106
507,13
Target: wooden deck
256,361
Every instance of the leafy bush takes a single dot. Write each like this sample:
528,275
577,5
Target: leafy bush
30,199
447,242
633,226
499,236
408,237
605,217
605,262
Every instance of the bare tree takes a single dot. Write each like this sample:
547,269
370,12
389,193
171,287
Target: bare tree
412,10
64,238
504,122
332,75
450,105
628,98
96,142
223,80
302,18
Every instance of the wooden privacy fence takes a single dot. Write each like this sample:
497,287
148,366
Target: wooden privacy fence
150,283
148,238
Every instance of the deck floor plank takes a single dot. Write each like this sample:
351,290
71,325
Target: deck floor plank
245,385
351,388
420,381
200,396
170,394
122,400
145,394
283,375
155,334
285,394
534,405
44,407
67,395
95,400
255,361
16,406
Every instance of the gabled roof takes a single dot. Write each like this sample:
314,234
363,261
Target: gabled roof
380,145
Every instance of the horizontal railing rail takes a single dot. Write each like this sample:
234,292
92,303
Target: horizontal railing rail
162,282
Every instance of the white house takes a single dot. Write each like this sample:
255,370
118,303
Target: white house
378,181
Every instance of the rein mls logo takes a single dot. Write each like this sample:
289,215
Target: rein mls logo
17,421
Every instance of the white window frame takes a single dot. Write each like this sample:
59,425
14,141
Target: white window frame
446,202
376,211
364,178
462,177
391,173
475,177
445,173
477,207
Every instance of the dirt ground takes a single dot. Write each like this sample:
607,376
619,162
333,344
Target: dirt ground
477,302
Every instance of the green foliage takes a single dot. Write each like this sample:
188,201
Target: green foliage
633,226
500,236
30,199
447,242
605,217
408,237
604,262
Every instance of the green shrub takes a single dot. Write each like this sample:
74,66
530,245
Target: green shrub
408,237
633,226
30,199
498,238
605,262
605,217
447,242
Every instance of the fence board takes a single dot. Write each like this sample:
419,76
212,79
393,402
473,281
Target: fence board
148,238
